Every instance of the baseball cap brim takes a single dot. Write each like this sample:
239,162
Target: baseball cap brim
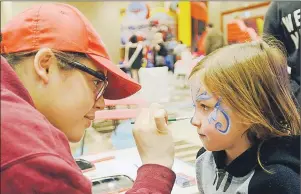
120,84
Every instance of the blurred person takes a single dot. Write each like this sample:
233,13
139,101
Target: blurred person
247,121
55,74
159,50
214,39
282,21
134,56
171,44
179,49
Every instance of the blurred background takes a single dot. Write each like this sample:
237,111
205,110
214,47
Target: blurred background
116,21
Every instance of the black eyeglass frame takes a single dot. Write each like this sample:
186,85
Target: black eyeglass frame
90,71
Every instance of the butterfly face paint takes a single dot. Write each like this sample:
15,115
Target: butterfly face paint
212,118
199,97
198,93
203,96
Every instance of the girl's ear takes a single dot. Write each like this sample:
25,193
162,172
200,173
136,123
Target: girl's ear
42,62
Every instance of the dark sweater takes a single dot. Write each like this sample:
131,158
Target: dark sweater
244,175
282,20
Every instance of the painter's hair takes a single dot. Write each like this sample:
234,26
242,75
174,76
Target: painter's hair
15,59
252,79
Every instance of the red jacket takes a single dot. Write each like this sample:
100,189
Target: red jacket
36,157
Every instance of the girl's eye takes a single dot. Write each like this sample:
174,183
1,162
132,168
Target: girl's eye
204,107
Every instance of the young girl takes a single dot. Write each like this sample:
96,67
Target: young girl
247,121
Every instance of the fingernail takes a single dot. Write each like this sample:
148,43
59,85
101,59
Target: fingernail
160,113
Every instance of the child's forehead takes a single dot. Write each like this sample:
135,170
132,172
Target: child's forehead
199,91
195,80
197,86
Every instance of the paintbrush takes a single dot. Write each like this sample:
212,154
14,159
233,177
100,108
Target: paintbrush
173,119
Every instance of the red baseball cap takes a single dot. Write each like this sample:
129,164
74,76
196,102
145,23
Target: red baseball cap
62,27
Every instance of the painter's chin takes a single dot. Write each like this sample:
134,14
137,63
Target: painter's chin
75,139
77,134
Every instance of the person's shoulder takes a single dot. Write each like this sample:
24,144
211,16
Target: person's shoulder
15,106
203,157
22,117
276,179
24,125
287,6
210,33
283,8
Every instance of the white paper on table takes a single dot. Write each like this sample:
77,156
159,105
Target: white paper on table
128,161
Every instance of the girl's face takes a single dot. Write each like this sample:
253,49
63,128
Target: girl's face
218,126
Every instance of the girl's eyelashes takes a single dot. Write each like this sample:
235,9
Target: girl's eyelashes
204,107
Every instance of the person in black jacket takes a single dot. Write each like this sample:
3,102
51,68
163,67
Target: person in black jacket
282,21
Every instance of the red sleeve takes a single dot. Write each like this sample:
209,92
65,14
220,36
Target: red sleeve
153,179
43,174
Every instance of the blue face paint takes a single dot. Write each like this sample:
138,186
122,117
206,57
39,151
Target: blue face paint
213,117
199,97
203,96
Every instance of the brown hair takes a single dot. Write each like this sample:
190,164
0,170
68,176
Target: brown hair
252,78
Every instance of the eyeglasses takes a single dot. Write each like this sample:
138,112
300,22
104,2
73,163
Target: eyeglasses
103,80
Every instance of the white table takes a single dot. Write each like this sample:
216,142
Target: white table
127,161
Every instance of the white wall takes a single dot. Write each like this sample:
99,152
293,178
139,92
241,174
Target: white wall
215,8
105,18
214,12
6,11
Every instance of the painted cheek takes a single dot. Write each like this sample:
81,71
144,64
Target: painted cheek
216,118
